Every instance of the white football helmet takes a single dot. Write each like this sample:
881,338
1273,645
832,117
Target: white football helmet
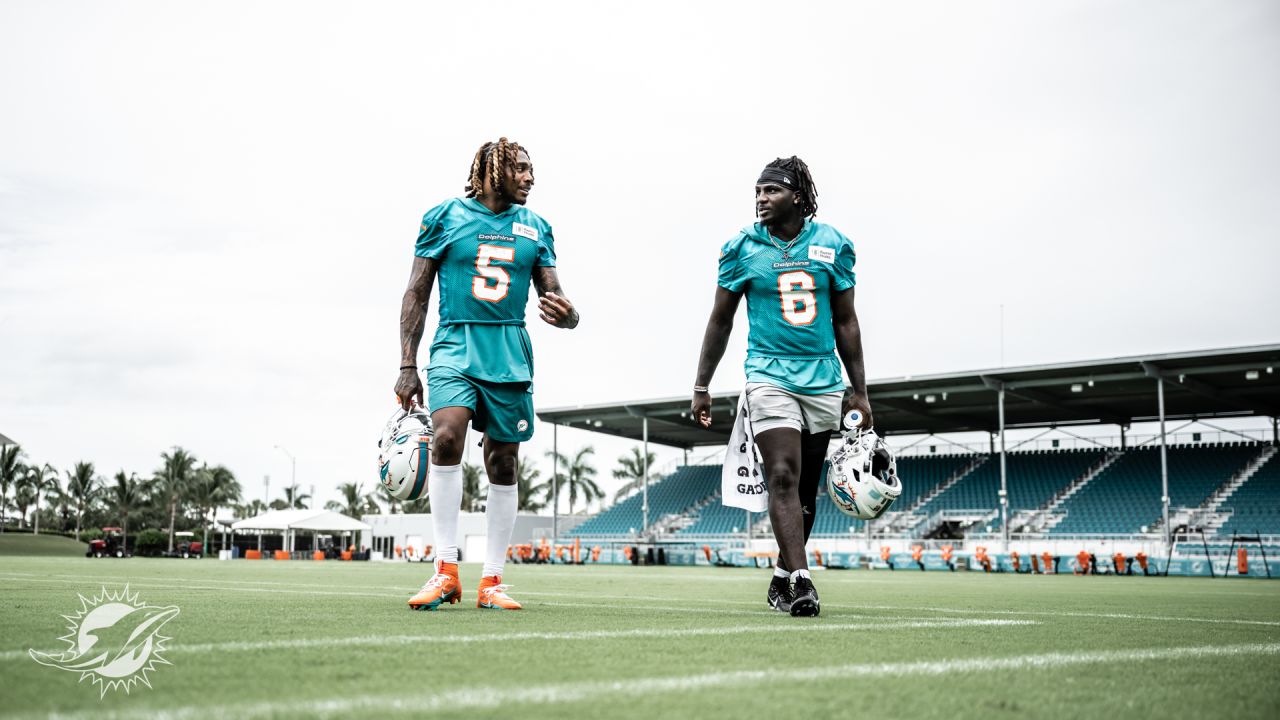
404,453
863,478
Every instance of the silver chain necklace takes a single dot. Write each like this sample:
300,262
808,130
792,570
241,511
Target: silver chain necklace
786,249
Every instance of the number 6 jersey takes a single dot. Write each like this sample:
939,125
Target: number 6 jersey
791,342
486,263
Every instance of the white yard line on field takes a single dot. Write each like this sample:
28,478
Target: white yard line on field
387,640
1061,613
491,697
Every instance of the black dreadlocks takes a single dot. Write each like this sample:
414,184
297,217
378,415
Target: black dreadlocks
804,183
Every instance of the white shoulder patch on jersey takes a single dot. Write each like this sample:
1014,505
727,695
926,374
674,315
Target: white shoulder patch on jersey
524,231
822,254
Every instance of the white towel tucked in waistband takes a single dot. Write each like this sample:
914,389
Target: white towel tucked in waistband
741,482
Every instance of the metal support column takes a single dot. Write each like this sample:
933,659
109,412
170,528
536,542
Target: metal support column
555,483
645,503
1004,481
1123,440
1164,462
1275,431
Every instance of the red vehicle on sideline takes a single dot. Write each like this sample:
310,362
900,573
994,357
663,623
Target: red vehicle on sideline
111,544
188,546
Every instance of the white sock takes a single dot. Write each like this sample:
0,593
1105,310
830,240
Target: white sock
800,574
445,490
778,572
500,516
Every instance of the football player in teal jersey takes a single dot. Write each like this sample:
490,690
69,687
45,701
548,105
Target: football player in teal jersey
797,276
484,249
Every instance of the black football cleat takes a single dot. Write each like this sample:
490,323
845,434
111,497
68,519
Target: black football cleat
780,594
805,602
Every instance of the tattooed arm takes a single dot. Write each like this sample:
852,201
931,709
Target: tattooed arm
413,313
553,306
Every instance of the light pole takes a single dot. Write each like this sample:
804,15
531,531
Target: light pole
293,474
293,491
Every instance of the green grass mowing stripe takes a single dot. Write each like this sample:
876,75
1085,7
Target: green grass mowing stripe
238,586
388,640
491,697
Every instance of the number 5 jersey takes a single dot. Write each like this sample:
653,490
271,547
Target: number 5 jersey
485,266
788,287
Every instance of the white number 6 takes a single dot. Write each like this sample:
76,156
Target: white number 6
799,307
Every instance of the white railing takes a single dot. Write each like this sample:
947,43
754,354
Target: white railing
935,445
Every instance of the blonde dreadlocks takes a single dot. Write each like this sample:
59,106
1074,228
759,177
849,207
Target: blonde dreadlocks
492,161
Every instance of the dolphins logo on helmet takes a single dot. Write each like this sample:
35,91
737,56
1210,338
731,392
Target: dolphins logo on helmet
863,478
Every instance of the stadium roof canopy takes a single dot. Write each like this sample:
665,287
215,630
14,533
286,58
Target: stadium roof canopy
1232,382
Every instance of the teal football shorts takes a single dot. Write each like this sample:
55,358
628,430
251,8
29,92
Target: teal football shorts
502,411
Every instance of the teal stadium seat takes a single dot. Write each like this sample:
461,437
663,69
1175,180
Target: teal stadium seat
675,493
1033,478
1255,505
1122,499
1126,496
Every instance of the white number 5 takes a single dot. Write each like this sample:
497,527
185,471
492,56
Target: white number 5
480,286
799,307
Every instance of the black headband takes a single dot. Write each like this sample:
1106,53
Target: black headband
778,176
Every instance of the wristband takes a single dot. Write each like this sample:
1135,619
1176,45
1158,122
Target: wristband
699,388
408,367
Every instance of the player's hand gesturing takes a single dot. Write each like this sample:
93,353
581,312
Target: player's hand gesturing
557,311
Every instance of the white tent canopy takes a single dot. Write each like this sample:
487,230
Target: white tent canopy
280,520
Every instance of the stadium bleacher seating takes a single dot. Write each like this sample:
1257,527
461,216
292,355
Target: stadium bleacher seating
921,474
1033,478
673,494
1255,505
1126,496
1123,498
716,519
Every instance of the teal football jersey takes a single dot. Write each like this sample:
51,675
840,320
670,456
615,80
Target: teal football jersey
792,341
485,267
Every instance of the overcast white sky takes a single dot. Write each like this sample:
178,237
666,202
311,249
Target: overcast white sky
207,212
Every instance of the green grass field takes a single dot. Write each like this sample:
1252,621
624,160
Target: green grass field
12,543
307,639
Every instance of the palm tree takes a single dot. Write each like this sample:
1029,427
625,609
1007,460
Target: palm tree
393,504
354,502
526,491
63,502
172,480
212,488
420,506
43,480
576,475
472,501
83,487
11,469
631,468
24,494
294,499
126,495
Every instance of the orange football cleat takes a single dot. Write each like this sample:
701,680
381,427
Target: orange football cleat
443,587
493,595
